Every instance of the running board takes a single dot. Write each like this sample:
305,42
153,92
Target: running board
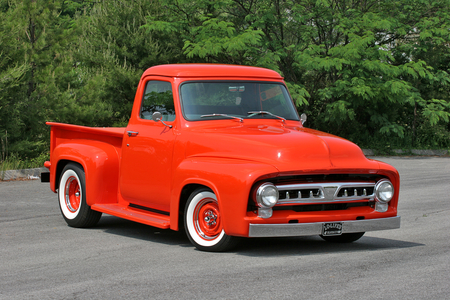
133,214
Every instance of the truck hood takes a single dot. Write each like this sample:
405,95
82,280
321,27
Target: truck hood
289,149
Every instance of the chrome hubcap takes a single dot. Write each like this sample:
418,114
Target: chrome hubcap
210,218
207,219
72,194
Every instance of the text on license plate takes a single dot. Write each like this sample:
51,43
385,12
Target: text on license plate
332,228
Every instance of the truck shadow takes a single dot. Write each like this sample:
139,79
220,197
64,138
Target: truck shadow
126,228
253,247
313,245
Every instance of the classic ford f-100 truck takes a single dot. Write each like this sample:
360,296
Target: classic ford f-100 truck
220,151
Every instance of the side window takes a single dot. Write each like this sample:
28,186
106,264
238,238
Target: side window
158,97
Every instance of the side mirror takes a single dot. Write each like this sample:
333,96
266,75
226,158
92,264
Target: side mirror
157,116
303,118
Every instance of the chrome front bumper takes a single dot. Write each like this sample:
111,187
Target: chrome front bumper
305,229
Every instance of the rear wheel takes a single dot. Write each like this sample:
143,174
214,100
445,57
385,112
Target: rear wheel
72,198
203,222
344,238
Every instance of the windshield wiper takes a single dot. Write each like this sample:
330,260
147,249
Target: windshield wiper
222,115
262,112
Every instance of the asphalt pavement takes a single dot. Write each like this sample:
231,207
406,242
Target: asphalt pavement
42,258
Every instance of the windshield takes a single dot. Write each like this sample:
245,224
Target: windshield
241,99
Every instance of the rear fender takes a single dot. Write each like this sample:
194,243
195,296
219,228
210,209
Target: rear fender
100,162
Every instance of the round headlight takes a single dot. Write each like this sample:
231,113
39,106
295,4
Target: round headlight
267,195
384,190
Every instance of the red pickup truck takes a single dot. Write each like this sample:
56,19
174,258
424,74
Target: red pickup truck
220,151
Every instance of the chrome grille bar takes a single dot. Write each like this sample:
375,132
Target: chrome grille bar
325,192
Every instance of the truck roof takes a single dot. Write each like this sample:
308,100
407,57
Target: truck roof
210,70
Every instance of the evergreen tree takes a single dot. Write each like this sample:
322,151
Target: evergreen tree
373,71
113,50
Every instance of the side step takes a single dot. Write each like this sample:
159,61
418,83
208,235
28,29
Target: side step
132,214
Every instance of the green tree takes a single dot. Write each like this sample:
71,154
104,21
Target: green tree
113,50
26,32
373,71
36,75
355,66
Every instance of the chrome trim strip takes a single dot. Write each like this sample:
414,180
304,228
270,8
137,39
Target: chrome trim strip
316,185
306,229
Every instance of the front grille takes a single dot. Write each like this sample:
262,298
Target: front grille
321,192
355,192
325,192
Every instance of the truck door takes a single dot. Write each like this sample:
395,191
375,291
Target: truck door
147,149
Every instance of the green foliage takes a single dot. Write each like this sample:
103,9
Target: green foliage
11,163
356,67
113,49
74,62
31,33
376,72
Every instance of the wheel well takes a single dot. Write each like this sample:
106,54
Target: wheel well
60,167
185,193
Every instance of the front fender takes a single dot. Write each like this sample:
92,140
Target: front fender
393,175
231,181
100,162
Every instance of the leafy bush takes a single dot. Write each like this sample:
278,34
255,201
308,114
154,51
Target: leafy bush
375,72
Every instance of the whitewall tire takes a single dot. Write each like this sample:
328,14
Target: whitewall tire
203,222
72,198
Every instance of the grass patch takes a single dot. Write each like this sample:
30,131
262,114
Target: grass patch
14,162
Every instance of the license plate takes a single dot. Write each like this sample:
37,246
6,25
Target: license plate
331,229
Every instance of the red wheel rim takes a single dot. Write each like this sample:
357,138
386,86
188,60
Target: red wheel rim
72,194
207,220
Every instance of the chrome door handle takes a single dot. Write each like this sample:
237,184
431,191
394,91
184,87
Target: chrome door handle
132,133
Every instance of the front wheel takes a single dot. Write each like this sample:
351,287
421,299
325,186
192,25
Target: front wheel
72,198
203,222
344,238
